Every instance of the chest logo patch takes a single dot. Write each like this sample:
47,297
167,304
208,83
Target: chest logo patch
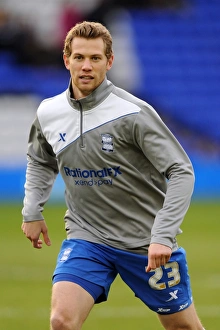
62,137
107,143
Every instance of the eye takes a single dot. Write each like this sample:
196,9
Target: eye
95,58
78,57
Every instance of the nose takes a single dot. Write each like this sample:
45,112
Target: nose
87,65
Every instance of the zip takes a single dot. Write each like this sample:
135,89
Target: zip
81,124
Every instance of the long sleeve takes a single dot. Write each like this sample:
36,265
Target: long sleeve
40,174
176,203
170,160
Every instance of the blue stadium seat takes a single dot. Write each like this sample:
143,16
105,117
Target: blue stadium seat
180,61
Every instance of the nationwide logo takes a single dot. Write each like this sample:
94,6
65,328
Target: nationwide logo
90,178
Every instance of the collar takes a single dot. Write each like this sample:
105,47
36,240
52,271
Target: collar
93,99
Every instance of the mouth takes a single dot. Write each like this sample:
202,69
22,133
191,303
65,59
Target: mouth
86,78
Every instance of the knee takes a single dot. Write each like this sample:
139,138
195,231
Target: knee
56,323
60,322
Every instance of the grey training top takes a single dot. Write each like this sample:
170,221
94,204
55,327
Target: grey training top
128,181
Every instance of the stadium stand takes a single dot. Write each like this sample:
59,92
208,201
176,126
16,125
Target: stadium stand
178,50
179,54
180,63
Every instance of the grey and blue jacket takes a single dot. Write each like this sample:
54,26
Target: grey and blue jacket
128,181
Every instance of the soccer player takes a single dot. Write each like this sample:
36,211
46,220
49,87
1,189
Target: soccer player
128,187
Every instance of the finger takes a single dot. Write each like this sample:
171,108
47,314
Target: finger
29,237
147,269
37,244
164,261
151,265
46,239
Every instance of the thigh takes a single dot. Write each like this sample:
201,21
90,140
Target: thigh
186,319
165,290
70,302
87,262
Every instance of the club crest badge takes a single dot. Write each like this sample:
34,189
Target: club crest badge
65,255
107,143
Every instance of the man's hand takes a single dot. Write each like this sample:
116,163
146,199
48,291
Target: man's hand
32,231
158,255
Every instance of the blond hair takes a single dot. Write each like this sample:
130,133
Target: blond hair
89,30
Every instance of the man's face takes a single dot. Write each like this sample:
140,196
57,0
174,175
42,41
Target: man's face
87,65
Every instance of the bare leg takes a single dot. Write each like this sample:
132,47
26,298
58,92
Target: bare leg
184,320
70,306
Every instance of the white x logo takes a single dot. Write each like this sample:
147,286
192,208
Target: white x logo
173,295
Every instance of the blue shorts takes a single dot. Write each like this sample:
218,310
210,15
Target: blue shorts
94,267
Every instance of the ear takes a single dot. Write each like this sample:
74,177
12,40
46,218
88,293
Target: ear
66,61
110,62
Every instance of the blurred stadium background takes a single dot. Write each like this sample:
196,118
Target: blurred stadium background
167,52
